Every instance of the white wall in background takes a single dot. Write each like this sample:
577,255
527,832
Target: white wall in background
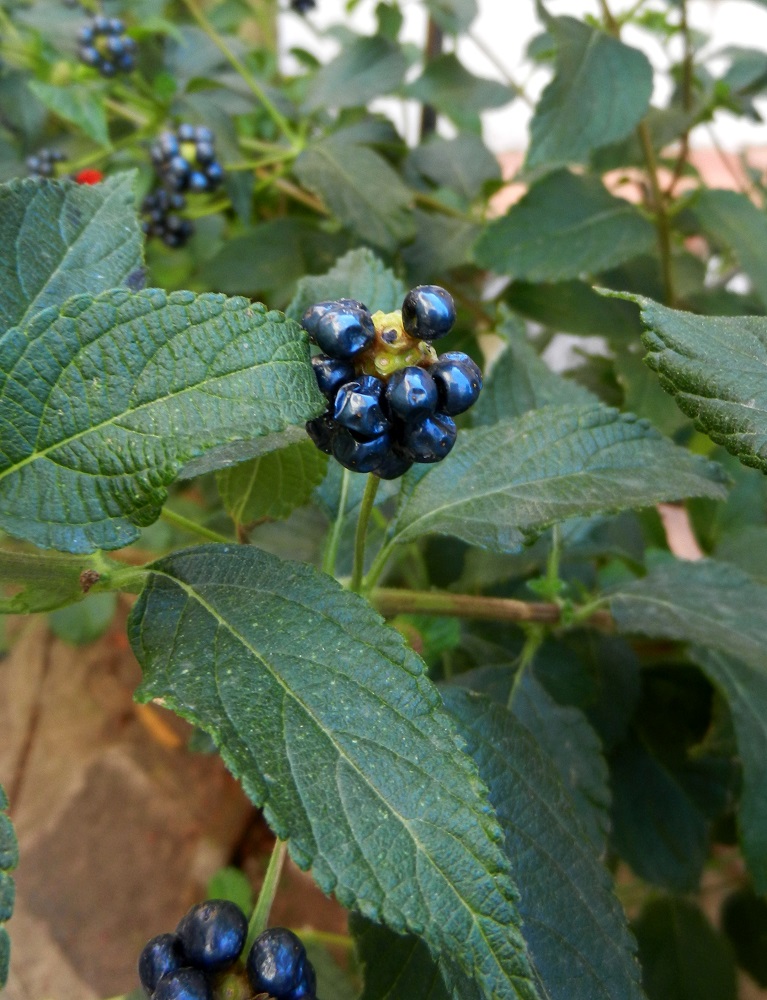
505,27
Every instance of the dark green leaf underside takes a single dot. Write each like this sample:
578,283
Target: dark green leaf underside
104,400
503,484
327,718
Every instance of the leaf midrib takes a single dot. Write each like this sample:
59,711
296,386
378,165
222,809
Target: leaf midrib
192,594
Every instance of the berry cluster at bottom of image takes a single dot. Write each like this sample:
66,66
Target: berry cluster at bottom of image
199,960
105,46
391,397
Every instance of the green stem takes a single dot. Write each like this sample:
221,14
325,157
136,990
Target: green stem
331,551
533,641
253,85
125,112
495,61
368,499
378,566
260,917
186,524
392,602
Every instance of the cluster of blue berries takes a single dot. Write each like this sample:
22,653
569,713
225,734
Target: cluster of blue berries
185,160
43,162
160,209
105,46
391,398
193,962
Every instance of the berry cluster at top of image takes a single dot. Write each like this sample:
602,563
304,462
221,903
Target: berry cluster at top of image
391,397
104,45
201,959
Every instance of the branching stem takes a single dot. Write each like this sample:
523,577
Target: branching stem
186,524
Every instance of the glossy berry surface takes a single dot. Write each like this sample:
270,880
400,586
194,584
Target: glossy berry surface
428,312
160,955
411,392
322,430
344,331
458,386
213,934
357,455
464,359
277,964
183,984
104,46
430,438
331,373
394,465
358,407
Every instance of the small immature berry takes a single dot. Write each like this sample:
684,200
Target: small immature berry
183,984
88,176
428,312
213,934
161,955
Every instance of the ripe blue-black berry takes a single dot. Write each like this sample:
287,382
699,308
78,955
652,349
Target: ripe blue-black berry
322,430
161,955
104,45
186,159
464,359
277,965
394,465
183,984
458,385
358,407
160,219
331,373
429,438
314,313
344,331
428,312
213,934
359,455
411,392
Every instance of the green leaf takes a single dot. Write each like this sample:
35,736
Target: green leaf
520,381
563,227
744,686
600,92
41,582
329,721
9,859
716,371
82,623
724,613
658,827
744,921
448,86
232,884
397,967
85,109
359,275
574,307
272,486
453,16
63,238
503,484
364,69
574,926
360,188
732,220
103,401
682,957
464,163
441,243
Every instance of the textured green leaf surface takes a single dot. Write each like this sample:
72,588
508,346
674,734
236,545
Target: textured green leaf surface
563,227
360,275
723,612
600,92
682,957
716,370
502,484
464,163
84,108
273,485
573,924
365,68
520,380
102,402
732,220
360,188
397,967
329,721
61,239
9,858
448,86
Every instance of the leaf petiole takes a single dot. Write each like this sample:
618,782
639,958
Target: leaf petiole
260,916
